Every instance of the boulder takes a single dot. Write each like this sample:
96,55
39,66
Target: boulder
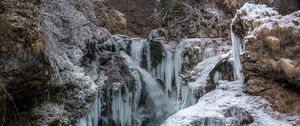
271,58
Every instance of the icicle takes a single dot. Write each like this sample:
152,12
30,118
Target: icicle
148,55
168,69
186,96
93,115
177,68
164,105
217,76
121,109
137,50
236,51
138,86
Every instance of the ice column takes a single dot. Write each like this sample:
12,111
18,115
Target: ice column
168,68
236,51
177,68
121,108
93,115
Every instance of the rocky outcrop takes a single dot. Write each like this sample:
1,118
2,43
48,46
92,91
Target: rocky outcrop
86,71
49,52
25,68
270,62
283,7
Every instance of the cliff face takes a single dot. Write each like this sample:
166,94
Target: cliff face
25,68
270,62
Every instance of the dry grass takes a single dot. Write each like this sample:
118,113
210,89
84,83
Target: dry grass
288,67
273,63
273,43
232,3
38,46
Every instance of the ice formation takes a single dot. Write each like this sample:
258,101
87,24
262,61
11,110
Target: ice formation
164,96
212,109
121,107
92,118
236,51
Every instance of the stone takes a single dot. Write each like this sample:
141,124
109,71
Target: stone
270,62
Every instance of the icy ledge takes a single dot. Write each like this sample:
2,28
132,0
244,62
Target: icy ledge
229,106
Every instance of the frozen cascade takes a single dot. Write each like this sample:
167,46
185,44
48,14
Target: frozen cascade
165,100
236,51
121,107
164,103
170,63
167,68
136,50
177,68
154,90
136,98
92,118
148,55
152,87
164,70
125,109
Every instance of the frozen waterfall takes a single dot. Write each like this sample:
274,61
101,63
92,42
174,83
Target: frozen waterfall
92,118
166,92
121,107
